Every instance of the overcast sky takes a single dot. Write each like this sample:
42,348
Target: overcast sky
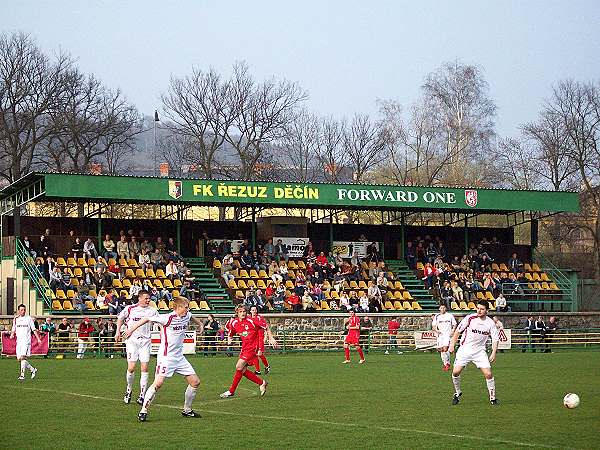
346,54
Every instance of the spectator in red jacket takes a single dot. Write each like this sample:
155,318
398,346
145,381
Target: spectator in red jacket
393,326
294,300
83,337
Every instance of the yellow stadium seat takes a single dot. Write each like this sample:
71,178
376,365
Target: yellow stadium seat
71,262
292,274
327,295
162,306
416,306
260,284
242,284
362,285
77,272
464,306
93,293
160,273
74,282
116,283
67,305
492,306
325,306
535,267
239,294
60,261
253,273
153,304
132,263
123,262
406,296
407,305
129,273
167,284
204,306
244,273
420,266
70,294
527,267
158,284
397,295
480,295
471,305
454,305
90,305
262,274
544,277
353,285
91,262
398,306
81,262
326,285
292,265
175,293
251,284
194,305
495,267
216,264
301,265
398,286
489,296
503,267
535,276
232,284
56,305
150,273
334,294
177,283
126,283
60,294
388,305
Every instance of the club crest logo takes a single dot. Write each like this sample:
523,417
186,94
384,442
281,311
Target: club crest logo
471,197
175,189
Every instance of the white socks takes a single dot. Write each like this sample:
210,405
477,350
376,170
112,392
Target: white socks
143,383
456,383
491,385
190,394
445,357
129,376
150,393
25,365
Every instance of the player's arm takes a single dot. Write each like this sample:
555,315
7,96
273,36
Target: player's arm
272,342
13,330
454,340
144,321
495,341
120,319
200,325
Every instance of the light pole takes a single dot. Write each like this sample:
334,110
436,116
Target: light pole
156,120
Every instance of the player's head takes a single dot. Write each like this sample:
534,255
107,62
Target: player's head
240,312
482,308
21,309
352,313
181,306
144,297
443,309
254,311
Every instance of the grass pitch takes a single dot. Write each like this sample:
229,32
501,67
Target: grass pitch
313,401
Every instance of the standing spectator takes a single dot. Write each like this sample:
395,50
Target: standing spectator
89,249
281,251
28,248
366,325
44,249
211,328
540,331
501,305
393,327
109,247
64,330
514,264
529,327
49,327
83,337
270,249
77,248
550,330
107,336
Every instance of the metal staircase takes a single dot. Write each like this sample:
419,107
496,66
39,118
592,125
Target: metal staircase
413,284
217,297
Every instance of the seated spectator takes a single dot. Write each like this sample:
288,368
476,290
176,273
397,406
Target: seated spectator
160,246
334,306
246,261
77,248
431,253
410,255
373,291
457,292
56,280
171,271
281,251
28,248
428,276
488,283
258,261
353,299
101,300
109,248
446,294
322,259
339,261
382,283
171,247
227,269
363,303
269,248
89,249
270,292
307,302
261,300
274,273
116,304
501,304
134,247
146,245
114,271
250,299
79,303
514,264
316,292
295,302
123,248
279,298
283,271
345,302
66,279
144,260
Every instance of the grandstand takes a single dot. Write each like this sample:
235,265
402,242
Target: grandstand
452,209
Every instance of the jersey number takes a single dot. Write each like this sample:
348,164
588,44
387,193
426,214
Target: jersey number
161,370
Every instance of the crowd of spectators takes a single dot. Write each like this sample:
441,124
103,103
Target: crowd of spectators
155,254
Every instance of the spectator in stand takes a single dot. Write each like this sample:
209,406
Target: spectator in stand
514,264
363,303
307,302
89,249
501,305
56,279
211,328
457,292
171,248
281,251
393,327
353,299
514,286
540,333
77,248
66,279
156,259
465,263
529,327
345,302
171,271
88,279
270,292
355,260
134,248
339,261
28,247
44,249
144,260
283,271
227,269
258,261
295,302
322,259
261,301
279,298
431,253
246,261
410,255
334,306
123,248
146,245
446,294
488,283
366,325
338,281
224,248
83,337
382,283
48,327
109,248
114,271
373,291
274,273
316,293
107,337
270,249
428,276
160,245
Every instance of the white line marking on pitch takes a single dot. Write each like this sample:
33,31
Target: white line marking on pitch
321,422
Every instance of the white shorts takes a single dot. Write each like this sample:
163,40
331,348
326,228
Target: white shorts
166,367
23,349
138,350
443,340
464,356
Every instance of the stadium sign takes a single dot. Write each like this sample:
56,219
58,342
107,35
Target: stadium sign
212,192
346,248
295,246
428,339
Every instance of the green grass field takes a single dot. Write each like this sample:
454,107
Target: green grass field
313,401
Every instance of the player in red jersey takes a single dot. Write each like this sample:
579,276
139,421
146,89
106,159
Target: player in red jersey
260,352
353,337
247,329
228,325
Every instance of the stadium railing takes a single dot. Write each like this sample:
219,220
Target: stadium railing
26,262
332,340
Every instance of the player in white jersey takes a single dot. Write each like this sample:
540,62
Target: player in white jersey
170,357
138,345
444,324
22,327
477,329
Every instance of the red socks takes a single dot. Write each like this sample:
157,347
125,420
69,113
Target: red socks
256,365
360,352
253,377
263,358
347,353
236,380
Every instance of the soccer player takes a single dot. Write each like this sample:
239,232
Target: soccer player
21,328
476,329
247,329
170,357
260,352
138,345
444,324
353,337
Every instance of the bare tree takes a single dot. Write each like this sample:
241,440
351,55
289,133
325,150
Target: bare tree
459,98
515,162
363,142
298,150
333,159
200,110
262,111
31,86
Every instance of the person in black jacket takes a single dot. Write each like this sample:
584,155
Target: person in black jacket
211,328
529,326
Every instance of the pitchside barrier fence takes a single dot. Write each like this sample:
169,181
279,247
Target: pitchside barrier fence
332,340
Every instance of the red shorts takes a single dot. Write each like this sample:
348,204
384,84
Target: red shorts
352,339
249,356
